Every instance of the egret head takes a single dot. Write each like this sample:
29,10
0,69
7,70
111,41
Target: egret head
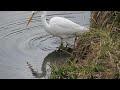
33,14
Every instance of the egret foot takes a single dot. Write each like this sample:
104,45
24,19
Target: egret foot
61,47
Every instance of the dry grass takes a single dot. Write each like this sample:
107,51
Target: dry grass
105,18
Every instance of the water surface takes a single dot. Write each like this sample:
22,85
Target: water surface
19,45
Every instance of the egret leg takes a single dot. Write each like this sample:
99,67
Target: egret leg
61,45
62,42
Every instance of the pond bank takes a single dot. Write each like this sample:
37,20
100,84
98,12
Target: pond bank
97,53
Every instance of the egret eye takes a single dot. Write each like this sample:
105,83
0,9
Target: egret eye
33,12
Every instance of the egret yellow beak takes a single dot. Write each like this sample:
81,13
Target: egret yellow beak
29,20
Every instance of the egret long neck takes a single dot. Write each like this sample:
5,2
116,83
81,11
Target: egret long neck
43,17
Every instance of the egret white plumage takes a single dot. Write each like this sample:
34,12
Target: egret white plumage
59,26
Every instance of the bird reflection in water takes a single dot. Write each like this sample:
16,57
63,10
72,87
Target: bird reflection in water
58,57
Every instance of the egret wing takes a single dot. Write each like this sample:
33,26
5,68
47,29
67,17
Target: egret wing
64,26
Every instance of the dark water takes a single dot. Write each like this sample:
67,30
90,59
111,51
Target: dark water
19,45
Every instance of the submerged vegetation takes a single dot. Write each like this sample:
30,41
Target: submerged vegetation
96,54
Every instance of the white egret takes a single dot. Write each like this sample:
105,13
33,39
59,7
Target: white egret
59,26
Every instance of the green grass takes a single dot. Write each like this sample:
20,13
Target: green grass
97,53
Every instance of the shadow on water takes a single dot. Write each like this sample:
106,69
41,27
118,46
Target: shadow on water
57,57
